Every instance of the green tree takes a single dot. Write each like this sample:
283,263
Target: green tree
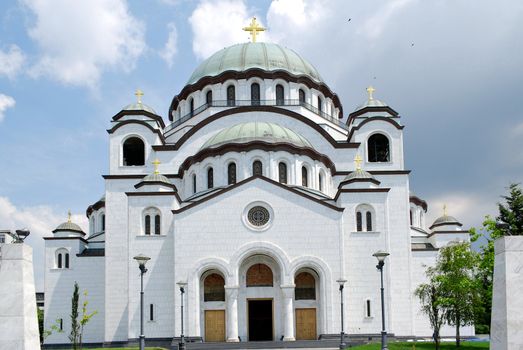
78,322
511,213
430,295
460,297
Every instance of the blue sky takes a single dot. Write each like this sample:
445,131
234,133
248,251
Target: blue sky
451,68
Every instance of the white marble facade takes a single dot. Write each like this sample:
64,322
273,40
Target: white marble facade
285,146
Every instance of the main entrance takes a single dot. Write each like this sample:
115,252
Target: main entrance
260,319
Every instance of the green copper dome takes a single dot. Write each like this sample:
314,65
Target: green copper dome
257,131
266,56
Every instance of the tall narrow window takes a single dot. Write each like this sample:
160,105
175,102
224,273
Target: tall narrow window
282,173
231,96
151,312
320,182
255,94
61,323
257,168
367,308
378,147
157,226
304,176
410,215
359,223
320,104
133,152
194,183
59,262
301,95
279,95
231,173
210,178
208,98
66,260
147,224
369,221
103,223
191,107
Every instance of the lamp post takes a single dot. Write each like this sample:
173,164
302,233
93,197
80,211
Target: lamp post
381,255
141,259
181,284
19,236
341,282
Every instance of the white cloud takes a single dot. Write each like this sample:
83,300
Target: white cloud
11,61
217,24
376,24
170,49
40,220
5,103
81,39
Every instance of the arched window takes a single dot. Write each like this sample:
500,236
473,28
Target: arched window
214,288
194,183
320,104
304,176
410,215
66,260
282,173
59,261
359,222
103,222
320,182
305,286
369,221
301,95
257,168
255,94
210,178
208,98
191,107
133,152
157,225
147,224
378,147
280,99
62,258
231,95
231,173
259,275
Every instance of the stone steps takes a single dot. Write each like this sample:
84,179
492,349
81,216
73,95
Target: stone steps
299,344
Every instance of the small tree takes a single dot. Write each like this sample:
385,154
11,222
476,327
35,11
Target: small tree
460,293
77,325
511,214
430,295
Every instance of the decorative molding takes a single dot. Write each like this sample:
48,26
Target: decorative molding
59,238
153,116
360,190
141,122
371,119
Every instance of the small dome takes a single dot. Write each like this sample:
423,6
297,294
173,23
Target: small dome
265,56
68,226
257,131
446,220
139,107
156,178
359,174
371,103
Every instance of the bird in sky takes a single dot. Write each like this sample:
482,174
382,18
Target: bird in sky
349,19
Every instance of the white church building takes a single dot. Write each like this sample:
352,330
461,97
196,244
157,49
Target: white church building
259,195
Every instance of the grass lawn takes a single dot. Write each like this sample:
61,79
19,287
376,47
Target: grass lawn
425,346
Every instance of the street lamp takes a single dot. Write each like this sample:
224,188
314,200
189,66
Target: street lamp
181,284
141,259
19,236
381,255
341,282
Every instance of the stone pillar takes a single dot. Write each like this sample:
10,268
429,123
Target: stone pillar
18,320
506,330
288,313
231,298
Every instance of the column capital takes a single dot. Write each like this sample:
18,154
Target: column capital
232,291
287,290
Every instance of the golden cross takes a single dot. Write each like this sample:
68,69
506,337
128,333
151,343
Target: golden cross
444,210
358,161
156,162
139,94
370,91
254,28
69,216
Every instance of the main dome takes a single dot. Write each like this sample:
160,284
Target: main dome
256,131
265,56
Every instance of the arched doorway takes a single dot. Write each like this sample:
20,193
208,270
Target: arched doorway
306,304
212,299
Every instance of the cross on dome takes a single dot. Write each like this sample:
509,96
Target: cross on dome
254,28
358,161
370,91
69,216
139,94
156,162
444,210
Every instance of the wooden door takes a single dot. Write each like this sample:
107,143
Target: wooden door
305,324
214,325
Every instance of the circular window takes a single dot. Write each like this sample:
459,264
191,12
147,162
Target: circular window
258,216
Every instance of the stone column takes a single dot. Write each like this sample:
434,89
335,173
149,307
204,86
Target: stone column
231,298
288,312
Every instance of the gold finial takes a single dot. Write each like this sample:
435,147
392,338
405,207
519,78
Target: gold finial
138,94
370,91
444,210
69,216
156,162
254,28
358,161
